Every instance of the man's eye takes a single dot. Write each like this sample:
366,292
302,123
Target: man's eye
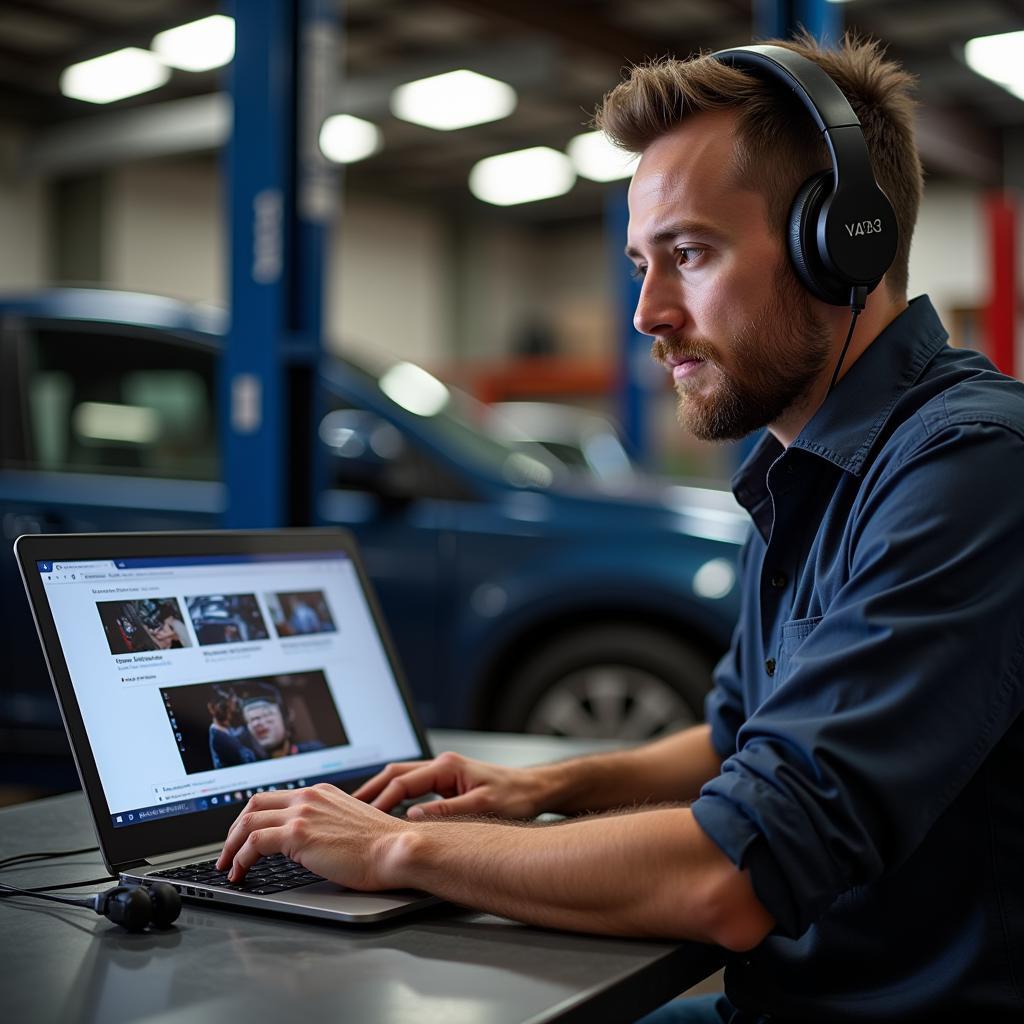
687,254
638,273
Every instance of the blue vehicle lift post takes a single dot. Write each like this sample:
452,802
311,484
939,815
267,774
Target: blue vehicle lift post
772,19
281,193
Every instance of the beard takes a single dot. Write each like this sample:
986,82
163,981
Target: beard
776,357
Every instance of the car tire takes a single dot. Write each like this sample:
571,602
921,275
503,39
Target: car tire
620,681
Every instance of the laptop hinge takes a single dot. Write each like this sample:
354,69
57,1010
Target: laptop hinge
191,854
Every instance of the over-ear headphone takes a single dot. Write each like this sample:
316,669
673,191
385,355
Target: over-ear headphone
133,907
842,228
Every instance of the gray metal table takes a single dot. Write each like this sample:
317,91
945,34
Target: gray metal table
445,964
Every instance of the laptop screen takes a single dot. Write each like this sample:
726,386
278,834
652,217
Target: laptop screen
202,680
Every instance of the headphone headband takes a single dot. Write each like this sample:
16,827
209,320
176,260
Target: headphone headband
821,96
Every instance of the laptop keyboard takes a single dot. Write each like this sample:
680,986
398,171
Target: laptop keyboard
275,873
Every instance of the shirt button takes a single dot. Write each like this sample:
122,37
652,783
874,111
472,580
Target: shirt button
769,666
778,580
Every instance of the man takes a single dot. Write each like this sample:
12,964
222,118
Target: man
231,741
268,721
857,827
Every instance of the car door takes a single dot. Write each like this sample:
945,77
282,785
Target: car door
104,428
395,495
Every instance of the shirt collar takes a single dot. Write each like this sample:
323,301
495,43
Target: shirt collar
848,421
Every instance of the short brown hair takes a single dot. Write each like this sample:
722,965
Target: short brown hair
777,144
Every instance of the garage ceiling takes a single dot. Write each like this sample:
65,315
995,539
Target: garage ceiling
561,56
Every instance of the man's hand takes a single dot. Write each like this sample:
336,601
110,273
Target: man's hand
467,787
323,829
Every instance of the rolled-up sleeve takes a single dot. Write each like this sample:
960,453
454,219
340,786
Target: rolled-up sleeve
890,701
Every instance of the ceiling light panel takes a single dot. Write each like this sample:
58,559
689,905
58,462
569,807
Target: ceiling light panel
346,139
199,45
999,58
594,157
456,99
524,176
114,76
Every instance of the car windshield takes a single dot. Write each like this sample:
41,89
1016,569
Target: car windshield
462,422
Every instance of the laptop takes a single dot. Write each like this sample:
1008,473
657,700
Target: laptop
196,669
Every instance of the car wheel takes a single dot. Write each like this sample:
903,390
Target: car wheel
621,682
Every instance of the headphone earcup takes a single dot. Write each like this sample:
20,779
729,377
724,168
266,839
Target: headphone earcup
128,906
166,903
802,239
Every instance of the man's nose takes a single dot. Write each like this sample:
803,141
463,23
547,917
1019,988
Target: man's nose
659,310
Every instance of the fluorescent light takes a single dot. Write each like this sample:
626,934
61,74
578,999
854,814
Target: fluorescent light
453,100
199,45
346,139
414,389
114,76
596,158
1000,58
522,177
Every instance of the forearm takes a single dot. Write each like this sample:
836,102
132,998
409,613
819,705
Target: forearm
671,770
653,874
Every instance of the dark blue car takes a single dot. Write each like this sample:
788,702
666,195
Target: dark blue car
520,596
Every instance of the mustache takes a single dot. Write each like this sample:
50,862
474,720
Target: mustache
672,351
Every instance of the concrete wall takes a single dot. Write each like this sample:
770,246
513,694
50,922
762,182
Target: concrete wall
389,284
948,258
164,230
386,289
24,224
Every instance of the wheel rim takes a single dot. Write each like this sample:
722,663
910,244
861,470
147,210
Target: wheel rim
610,702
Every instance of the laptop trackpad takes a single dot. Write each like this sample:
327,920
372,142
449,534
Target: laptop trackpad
337,900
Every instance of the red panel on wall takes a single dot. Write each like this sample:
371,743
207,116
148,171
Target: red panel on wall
1001,310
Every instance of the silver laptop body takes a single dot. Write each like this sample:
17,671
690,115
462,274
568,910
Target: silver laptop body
195,669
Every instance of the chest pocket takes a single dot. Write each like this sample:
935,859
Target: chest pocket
794,633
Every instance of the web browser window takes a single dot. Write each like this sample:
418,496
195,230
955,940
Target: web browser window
202,680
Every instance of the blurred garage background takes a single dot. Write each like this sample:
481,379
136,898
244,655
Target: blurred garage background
284,263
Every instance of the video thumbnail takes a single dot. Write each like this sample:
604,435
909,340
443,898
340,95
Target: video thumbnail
242,721
226,619
300,613
149,624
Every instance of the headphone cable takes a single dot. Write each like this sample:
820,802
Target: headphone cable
25,859
12,890
18,859
74,901
858,297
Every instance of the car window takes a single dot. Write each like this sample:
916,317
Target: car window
457,420
104,401
367,453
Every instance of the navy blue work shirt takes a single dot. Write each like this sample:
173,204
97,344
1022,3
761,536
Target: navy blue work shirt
869,712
